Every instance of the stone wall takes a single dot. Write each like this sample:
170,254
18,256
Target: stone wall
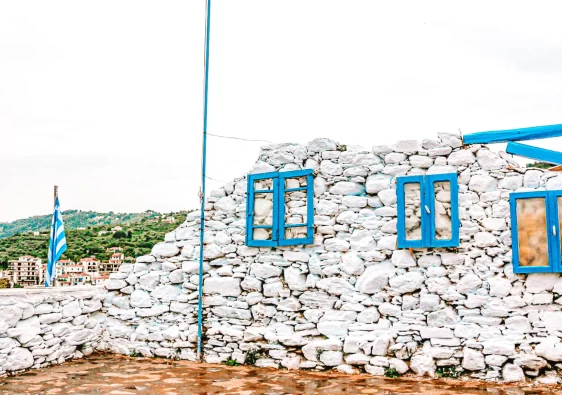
151,306
352,300
40,327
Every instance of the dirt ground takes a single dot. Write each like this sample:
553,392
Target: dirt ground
111,374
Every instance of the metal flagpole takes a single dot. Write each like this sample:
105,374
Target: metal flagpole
202,191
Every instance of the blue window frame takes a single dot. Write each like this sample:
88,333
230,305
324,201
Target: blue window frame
275,214
535,231
428,211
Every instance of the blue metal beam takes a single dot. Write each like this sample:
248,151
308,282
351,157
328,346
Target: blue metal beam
502,136
527,151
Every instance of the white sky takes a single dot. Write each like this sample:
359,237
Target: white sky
104,98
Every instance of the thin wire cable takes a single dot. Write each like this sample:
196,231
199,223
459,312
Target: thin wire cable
240,138
216,179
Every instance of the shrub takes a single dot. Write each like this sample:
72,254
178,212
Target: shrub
447,371
391,373
252,357
231,362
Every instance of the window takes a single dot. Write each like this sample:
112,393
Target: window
280,209
535,231
428,212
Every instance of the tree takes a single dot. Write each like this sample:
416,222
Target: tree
540,165
119,235
4,283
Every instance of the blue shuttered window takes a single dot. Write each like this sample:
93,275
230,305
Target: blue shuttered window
535,231
428,211
280,209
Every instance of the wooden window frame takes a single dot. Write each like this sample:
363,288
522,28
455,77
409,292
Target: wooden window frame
553,229
279,226
427,201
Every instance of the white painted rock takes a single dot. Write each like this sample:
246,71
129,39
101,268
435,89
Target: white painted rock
11,315
377,183
406,283
550,349
18,359
331,358
225,286
403,259
461,157
422,364
408,147
112,285
328,168
372,280
265,270
166,293
165,250
489,160
352,263
469,282
321,144
511,373
176,276
311,350
295,279
362,240
541,282
442,318
482,183
473,359
499,287
347,188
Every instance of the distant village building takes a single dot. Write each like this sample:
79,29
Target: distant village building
168,220
99,278
26,271
116,228
114,262
72,279
90,265
115,249
73,268
60,268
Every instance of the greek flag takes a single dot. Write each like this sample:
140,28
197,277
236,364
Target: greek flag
57,244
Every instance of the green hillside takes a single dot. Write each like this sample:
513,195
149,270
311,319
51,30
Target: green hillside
136,238
73,219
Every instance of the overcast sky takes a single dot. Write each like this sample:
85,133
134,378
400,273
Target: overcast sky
104,98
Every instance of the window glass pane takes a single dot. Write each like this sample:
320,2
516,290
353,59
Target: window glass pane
297,182
532,232
263,209
296,232
266,183
443,225
295,207
412,199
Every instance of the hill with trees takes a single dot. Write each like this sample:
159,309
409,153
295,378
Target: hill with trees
73,219
136,238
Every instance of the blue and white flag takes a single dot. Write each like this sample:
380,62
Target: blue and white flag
57,245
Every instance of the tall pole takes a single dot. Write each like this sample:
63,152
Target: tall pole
56,194
203,177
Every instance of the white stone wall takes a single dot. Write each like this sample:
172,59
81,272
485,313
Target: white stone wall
151,307
352,300
40,327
